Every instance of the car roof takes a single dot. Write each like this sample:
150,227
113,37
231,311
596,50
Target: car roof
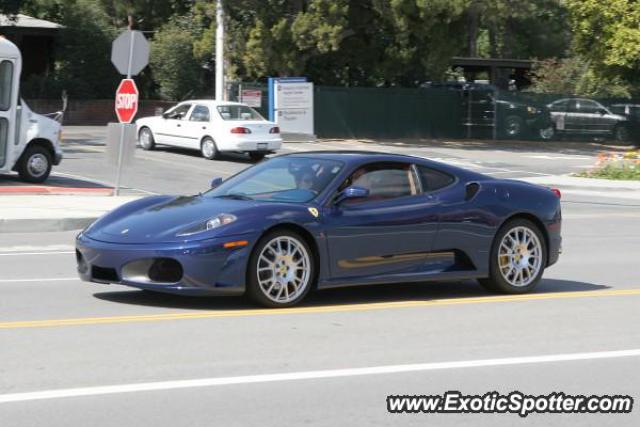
209,102
355,158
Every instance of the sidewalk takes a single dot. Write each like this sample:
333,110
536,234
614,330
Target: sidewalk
25,214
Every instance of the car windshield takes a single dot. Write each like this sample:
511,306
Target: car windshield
238,112
283,179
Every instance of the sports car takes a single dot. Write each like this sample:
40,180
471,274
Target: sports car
298,222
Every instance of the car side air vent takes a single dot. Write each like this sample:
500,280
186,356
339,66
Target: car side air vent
471,190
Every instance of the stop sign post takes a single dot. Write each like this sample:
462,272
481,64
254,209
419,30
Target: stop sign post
129,54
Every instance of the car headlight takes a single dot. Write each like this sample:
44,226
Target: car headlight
210,224
532,110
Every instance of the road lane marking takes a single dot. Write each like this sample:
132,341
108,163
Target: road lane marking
36,253
51,279
311,375
31,248
22,324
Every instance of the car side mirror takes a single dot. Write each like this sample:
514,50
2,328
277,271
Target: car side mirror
602,111
215,182
351,193
165,115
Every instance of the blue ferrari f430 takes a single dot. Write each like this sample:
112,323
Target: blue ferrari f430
327,219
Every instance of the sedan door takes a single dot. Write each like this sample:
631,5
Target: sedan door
171,128
389,232
198,125
592,118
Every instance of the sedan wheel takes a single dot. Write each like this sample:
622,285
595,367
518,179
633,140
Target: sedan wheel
282,270
518,258
547,133
621,134
146,139
209,149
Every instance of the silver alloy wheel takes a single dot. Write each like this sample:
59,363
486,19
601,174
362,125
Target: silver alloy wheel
37,165
208,148
520,256
145,138
284,269
546,133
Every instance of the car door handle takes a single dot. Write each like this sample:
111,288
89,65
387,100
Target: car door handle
179,125
204,127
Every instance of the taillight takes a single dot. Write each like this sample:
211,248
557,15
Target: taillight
275,130
240,129
557,193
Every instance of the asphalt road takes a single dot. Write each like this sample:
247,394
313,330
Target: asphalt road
180,171
176,361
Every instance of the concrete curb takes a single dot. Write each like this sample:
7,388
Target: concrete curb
40,225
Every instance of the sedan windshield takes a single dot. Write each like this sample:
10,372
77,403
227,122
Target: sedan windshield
238,112
283,179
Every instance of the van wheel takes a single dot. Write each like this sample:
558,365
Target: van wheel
35,164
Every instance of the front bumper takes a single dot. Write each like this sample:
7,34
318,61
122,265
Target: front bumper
207,267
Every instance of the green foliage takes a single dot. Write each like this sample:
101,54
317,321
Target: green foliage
575,76
83,67
174,66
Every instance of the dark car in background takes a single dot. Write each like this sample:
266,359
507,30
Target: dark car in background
632,113
484,106
586,117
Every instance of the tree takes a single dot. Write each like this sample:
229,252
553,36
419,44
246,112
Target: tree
174,66
83,67
574,76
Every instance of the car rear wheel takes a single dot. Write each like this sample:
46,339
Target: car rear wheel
146,140
513,126
209,149
518,258
621,134
256,156
35,164
281,270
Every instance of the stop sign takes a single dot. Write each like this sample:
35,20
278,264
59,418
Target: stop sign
126,101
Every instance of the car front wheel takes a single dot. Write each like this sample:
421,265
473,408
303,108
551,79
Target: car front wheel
146,140
518,258
281,270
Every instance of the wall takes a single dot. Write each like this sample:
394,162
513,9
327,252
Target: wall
92,112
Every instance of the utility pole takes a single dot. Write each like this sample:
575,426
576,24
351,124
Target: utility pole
219,51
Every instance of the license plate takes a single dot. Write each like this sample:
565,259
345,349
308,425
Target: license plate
263,146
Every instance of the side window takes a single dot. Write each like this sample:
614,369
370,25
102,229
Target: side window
572,106
384,181
6,79
179,112
586,106
558,106
433,180
200,113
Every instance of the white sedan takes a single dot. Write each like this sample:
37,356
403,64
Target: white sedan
213,127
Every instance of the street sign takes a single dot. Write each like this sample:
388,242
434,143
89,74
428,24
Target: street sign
251,97
126,101
130,53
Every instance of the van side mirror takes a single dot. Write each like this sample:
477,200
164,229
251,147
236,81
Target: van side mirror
215,182
351,193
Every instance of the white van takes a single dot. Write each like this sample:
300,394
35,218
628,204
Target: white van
29,142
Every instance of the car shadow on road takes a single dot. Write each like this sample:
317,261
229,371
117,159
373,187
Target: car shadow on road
226,156
432,291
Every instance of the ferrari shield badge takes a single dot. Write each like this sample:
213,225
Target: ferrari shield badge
314,212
